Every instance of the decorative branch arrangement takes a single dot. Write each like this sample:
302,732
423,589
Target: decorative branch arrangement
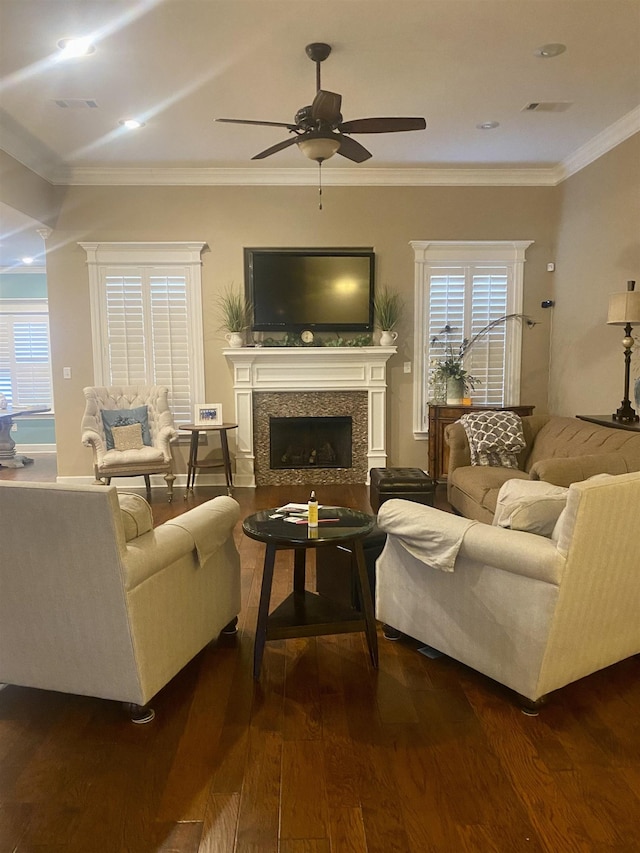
451,364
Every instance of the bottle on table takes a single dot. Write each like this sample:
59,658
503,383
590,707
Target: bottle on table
313,510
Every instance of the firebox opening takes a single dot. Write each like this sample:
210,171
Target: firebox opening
310,442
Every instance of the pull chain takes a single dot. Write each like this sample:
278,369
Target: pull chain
319,184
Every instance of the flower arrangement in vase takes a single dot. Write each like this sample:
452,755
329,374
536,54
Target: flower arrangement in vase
450,379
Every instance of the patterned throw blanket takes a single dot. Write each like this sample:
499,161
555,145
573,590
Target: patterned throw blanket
495,438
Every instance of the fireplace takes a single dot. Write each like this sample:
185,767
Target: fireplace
313,412
310,442
308,382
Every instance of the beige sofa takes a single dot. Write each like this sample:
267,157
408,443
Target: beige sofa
558,450
532,612
94,601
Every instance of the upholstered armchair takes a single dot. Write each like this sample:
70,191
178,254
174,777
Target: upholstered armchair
533,612
120,447
95,601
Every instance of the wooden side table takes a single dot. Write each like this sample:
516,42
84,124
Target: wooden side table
608,421
440,416
194,464
304,613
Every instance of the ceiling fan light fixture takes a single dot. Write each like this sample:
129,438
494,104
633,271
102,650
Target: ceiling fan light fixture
318,148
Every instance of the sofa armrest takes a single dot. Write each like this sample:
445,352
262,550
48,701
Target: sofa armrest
511,551
165,436
514,551
202,531
573,469
209,525
459,452
93,439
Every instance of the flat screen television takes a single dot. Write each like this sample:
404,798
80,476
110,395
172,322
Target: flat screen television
318,289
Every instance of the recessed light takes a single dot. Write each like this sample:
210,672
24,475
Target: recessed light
488,125
27,260
72,47
131,123
548,51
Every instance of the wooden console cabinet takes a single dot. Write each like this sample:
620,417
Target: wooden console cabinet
441,416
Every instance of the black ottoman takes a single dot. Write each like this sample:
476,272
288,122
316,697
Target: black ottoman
410,484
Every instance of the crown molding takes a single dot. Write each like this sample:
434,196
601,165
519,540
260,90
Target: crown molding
40,160
601,144
308,176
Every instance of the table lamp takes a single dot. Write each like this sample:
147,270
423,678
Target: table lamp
624,309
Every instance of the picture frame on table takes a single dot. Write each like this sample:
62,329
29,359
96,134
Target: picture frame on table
207,414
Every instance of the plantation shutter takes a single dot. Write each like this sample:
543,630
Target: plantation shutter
25,360
147,332
465,300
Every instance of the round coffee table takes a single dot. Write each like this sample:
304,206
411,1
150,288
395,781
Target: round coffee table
305,613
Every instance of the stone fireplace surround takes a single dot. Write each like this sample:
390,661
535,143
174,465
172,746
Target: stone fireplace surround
298,375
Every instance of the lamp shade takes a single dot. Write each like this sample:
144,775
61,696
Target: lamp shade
624,307
318,147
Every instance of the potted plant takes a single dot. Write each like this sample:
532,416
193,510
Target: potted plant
388,308
235,312
449,376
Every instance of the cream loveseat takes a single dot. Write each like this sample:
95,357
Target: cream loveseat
94,601
533,613
558,450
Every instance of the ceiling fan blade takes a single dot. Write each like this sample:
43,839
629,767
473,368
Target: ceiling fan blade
263,123
352,150
381,125
275,148
326,107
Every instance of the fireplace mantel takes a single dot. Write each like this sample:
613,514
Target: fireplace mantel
300,369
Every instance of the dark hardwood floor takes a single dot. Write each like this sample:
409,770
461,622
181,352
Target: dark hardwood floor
323,755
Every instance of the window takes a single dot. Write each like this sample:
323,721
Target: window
25,359
460,287
146,310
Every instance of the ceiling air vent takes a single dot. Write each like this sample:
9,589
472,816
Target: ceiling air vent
547,107
77,103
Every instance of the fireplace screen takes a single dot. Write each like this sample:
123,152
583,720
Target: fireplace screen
310,442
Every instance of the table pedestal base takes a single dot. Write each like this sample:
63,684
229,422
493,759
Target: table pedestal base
15,461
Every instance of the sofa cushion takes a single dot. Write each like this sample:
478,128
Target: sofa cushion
136,515
480,486
564,437
530,505
125,417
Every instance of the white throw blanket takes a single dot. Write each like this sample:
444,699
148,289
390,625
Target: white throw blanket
430,535
205,542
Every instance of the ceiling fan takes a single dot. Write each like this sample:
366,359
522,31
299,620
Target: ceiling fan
318,129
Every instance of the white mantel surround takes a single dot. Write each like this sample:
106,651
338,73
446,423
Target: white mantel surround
287,369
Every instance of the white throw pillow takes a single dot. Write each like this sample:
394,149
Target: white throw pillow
530,505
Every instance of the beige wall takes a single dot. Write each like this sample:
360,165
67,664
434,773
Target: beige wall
588,226
27,192
229,218
598,250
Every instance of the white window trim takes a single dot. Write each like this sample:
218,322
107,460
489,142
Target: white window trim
151,255
428,253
